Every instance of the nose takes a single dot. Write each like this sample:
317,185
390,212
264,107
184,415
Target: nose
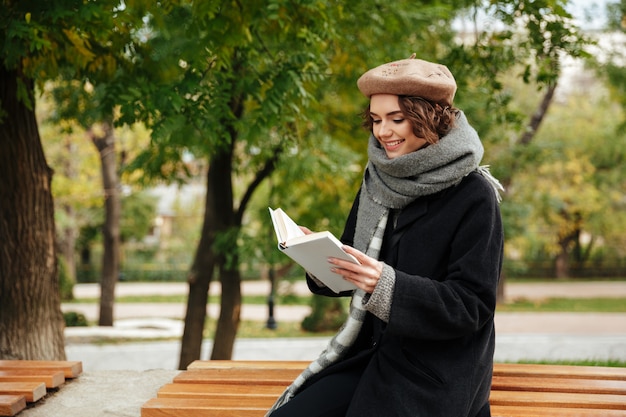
384,129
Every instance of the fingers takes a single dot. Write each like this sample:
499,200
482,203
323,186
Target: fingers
360,256
305,230
365,275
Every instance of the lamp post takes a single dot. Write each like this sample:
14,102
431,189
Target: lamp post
271,322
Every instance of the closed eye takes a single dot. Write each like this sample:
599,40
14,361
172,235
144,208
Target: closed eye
396,121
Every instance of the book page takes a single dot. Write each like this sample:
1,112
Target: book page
284,226
312,253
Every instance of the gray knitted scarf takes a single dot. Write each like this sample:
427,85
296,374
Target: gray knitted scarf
393,184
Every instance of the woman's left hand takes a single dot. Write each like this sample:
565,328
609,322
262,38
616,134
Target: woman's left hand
365,276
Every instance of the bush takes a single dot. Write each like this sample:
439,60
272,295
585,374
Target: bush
328,313
75,319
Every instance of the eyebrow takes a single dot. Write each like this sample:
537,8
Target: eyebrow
393,113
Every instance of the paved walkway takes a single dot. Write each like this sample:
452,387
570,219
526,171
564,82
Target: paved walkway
531,290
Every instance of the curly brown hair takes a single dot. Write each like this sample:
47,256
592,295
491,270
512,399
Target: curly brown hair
430,121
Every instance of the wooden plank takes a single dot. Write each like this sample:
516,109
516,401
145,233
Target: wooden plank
560,371
556,400
248,364
52,378
508,411
206,391
589,386
502,369
176,407
10,405
238,376
32,391
71,369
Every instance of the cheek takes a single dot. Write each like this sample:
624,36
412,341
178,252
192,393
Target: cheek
407,131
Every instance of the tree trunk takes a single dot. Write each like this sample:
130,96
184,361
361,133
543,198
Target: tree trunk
67,236
111,228
226,256
230,311
31,322
568,239
218,217
538,116
218,247
561,263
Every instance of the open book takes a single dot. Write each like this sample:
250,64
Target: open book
311,251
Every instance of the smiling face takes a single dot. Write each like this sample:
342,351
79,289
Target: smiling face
392,129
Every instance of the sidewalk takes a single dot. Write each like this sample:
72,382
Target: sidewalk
530,290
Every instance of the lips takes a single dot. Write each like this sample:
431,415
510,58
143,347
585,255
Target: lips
393,143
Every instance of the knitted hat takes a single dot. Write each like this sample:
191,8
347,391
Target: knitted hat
410,77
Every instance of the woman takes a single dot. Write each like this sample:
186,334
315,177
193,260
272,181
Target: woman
426,229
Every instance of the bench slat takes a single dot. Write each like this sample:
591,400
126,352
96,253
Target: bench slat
589,386
32,391
559,371
176,407
71,369
10,405
51,378
553,385
508,411
239,376
562,399
206,391
501,369
248,364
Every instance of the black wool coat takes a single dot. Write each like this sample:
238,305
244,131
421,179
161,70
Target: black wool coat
434,357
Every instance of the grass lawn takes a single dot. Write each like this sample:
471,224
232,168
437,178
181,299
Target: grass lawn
571,305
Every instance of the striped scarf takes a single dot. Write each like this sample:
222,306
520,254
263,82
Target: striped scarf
347,334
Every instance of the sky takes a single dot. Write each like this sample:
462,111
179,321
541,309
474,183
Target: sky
590,14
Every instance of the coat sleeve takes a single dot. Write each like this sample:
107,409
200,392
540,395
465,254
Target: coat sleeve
347,238
448,267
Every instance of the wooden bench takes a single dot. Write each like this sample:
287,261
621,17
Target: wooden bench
249,388
23,381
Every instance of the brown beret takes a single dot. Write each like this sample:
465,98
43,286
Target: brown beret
410,77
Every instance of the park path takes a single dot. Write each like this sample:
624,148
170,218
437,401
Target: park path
530,290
